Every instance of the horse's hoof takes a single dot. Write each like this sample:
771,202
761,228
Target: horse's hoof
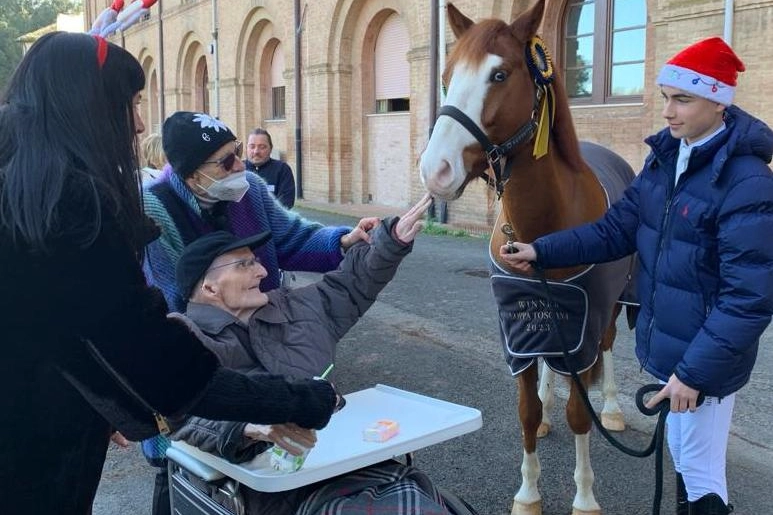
575,511
543,430
613,421
534,508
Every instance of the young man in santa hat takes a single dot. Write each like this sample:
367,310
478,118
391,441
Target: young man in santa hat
700,215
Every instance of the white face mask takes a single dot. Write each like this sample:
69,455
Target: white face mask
229,189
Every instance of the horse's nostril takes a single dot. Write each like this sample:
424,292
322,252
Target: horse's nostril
444,170
437,174
442,177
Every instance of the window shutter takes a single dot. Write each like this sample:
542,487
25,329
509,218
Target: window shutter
391,60
277,67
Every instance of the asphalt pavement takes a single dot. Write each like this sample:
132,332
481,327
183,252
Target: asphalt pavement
434,331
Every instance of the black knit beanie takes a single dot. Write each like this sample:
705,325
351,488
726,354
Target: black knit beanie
190,138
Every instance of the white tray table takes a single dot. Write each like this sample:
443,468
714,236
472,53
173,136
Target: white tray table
340,448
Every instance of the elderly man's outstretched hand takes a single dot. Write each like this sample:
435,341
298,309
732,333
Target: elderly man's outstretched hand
412,222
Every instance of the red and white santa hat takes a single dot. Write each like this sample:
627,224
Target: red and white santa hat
708,69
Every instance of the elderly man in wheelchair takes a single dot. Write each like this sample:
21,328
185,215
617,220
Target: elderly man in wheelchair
293,332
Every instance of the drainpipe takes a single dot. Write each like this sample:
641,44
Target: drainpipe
728,32
441,35
162,88
439,208
433,65
298,101
442,43
216,58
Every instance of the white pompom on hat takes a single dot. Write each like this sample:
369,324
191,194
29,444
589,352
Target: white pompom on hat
707,69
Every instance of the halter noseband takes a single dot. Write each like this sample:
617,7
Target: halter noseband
495,153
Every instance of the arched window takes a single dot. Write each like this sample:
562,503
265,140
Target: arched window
153,100
201,86
392,71
604,48
278,83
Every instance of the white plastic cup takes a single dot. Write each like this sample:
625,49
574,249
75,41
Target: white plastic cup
283,461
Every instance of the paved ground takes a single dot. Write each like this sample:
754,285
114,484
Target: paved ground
433,331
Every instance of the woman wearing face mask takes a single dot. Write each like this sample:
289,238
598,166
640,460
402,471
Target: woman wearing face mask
206,188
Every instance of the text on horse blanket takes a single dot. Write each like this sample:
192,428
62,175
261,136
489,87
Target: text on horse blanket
532,325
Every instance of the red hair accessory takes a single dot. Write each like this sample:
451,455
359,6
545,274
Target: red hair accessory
101,51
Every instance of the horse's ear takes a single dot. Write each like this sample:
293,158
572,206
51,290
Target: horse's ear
459,22
527,24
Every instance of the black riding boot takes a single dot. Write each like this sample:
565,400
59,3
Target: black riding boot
681,496
710,504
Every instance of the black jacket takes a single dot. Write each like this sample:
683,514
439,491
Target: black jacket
278,177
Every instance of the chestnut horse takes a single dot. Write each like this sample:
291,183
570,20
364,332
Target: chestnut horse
502,89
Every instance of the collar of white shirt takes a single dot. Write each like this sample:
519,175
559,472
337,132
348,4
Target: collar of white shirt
685,149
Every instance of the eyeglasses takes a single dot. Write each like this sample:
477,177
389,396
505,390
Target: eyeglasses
228,160
242,264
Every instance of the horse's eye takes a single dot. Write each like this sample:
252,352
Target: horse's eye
498,76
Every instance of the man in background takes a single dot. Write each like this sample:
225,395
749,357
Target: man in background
276,173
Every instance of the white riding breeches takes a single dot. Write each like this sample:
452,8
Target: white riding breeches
698,445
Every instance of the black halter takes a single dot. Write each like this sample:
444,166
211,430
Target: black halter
495,152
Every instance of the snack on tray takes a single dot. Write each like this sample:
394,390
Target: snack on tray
380,431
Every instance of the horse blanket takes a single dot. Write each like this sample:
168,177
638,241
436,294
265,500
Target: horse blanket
571,315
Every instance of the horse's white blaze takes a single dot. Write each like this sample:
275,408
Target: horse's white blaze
442,167
584,499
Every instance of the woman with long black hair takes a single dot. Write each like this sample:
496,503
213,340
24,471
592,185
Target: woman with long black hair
78,320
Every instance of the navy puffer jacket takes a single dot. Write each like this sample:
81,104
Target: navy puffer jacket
705,252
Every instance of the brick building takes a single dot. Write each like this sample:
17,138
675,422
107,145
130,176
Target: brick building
365,77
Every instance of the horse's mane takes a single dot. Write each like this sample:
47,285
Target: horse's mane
564,135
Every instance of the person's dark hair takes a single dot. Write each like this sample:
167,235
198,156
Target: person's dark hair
263,132
65,116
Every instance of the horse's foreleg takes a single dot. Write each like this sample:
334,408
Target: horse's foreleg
528,500
580,423
611,415
584,502
547,396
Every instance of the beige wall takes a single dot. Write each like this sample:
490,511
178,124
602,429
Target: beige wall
343,144
388,159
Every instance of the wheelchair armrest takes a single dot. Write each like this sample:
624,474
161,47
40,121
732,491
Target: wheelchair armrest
192,465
